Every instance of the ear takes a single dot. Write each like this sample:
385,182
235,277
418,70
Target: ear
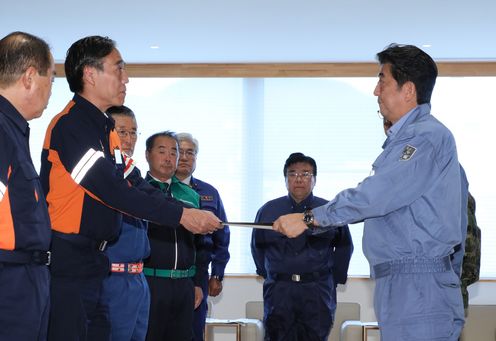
28,78
410,92
146,156
89,75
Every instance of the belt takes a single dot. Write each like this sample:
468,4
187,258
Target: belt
412,265
25,257
303,278
81,240
174,274
131,268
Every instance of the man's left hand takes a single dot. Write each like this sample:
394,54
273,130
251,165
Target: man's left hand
214,286
198,296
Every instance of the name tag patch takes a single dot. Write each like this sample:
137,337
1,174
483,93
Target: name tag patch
408,153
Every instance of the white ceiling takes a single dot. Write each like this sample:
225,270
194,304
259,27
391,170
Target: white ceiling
239,31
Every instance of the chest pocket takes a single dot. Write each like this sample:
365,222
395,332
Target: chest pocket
33,179
208,204
28,170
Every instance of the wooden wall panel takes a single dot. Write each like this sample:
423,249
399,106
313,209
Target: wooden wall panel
290,70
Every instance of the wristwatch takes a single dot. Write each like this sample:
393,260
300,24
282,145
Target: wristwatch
308,217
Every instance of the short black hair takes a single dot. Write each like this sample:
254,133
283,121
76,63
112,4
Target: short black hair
88,51
19,51
151,140
300,157
409,63
120,110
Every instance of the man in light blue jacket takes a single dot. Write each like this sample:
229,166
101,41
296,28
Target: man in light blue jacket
410,205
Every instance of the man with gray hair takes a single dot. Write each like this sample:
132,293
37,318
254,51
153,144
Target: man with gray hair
213,246
26,75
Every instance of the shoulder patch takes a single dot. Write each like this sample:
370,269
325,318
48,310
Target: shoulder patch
408,153
207,198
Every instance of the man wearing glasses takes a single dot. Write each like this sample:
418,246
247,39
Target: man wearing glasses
214,246
126,291
301,274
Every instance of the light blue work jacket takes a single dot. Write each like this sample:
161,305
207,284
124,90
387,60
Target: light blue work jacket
411,201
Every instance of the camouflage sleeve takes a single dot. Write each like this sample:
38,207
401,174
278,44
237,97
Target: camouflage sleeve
471,259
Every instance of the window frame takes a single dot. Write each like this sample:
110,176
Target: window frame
266,70
292,70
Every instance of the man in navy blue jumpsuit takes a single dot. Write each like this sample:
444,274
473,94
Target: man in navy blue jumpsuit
411,205
126,291
214,246
301,274
26,74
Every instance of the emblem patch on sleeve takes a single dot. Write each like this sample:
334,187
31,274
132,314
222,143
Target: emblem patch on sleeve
408,153
207,198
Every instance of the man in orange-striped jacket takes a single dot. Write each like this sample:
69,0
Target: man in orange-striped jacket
87,191
26,74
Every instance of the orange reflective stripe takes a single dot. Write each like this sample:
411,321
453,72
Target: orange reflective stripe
48,136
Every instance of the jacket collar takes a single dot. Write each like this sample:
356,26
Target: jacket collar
406,130
305,203
11,112
94,114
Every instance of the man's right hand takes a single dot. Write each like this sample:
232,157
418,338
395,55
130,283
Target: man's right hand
200,221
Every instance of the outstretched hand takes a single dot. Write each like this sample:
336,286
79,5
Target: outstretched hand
200,221
291,225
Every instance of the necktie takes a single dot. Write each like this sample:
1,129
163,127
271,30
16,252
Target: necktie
164,186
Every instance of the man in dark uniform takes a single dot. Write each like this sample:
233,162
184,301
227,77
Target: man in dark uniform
87,191
301,274
26,75
215,246
173,268
126,291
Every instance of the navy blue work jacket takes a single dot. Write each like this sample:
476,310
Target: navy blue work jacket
215,245
24,220
276,253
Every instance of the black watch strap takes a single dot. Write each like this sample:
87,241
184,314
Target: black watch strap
308,217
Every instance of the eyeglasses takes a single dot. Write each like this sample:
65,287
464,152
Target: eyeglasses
304,176
188,154
124,134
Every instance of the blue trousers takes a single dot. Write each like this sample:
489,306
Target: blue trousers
201,313
77,311
419,306
128,299
24,302
299,311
